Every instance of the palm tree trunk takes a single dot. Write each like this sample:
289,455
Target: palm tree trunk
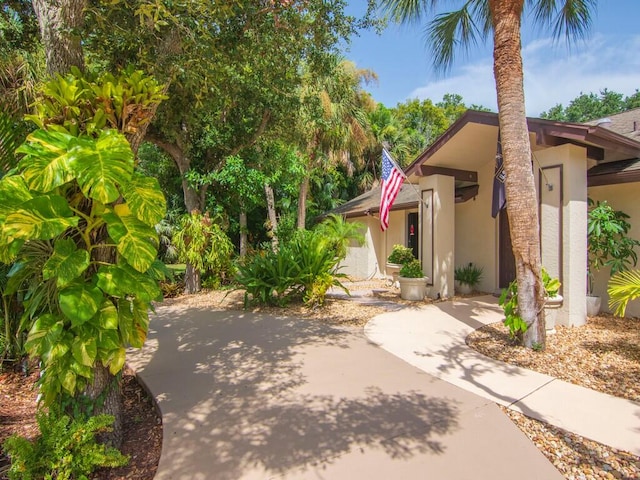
520,184
302,202
273,219
243,234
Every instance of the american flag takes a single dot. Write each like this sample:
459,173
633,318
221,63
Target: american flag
392,178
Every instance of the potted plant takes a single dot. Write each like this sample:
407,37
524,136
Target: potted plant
467,277
509,303
608,245
413,283
399,256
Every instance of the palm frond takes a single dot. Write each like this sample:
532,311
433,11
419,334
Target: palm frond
623,287
571,19
451,30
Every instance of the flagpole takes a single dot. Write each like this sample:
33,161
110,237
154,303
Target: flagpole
418,194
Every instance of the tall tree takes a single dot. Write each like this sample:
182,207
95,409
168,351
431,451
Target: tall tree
502,20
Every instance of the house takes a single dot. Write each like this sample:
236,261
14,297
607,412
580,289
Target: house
444,208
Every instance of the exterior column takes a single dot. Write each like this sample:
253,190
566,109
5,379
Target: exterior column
437,224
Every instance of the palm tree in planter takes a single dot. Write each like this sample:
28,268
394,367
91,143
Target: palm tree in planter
413,283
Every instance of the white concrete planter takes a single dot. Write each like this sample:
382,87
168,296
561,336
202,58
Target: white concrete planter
593,305
394,270
551,307
413,288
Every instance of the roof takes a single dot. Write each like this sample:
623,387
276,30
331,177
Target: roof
625,123
369,202
615,146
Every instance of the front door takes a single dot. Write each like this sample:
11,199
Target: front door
412,233
507,262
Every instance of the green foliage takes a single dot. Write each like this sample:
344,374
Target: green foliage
341,233
412,269
202,243
65,449
591,106
509,303
468,275
306,266
77,222
400,255
607,241
623,287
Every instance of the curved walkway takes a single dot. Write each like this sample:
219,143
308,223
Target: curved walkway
432,339
250,396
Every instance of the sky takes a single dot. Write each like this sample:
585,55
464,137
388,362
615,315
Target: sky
553,71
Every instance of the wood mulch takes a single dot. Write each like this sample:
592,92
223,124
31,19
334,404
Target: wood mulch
603,355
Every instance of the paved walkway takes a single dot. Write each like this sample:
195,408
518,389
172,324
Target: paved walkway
250,396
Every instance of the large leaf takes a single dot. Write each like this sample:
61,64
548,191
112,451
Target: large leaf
103,164
80,302
84,350
122,280
145,198
45,164
45,332
40,218
135,241
13,193
108,316
67,263
140,323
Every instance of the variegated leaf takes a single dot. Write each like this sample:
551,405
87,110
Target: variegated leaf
145,199
136,241
67,263
40,218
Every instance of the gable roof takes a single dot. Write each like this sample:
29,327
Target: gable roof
625,123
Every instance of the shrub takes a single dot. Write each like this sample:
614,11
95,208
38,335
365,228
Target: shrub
468,275
64,450
400,255
412,269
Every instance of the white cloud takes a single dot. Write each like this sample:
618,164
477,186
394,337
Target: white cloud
552,74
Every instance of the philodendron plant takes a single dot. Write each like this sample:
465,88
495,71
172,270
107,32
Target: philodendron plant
78,224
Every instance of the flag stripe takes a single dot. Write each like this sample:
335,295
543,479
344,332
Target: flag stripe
392,179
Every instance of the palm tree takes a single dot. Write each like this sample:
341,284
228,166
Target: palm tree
475,20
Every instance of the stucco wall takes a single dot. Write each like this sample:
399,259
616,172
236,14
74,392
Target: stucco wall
476,231
621,197
361,261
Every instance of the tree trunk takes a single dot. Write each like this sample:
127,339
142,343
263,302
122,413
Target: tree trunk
59,22
243,234
302,203
273,219
192,280
522,201
106,395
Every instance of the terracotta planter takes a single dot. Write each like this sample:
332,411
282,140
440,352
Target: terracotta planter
593,305
413,288
551,307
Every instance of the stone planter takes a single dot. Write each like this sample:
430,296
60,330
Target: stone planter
463,288
413,288
551,307
393,269
593,305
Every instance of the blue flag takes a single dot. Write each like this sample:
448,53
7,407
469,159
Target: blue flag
499,196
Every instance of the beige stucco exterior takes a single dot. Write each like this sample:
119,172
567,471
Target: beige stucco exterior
456,234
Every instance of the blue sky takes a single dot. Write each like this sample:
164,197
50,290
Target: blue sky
554,72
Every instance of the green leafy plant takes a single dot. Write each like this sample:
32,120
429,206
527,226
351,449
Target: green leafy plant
306,266
202,243
400,255
468,275
623,288
66,449
412,269
341,233
509,303
608,242
78,223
